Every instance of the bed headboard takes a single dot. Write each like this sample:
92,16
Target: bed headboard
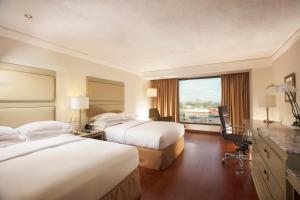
105,96
26,94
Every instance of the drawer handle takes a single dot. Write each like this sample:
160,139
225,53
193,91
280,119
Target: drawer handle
266,173
267,152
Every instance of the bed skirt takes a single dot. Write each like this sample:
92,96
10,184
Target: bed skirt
128,189
160,159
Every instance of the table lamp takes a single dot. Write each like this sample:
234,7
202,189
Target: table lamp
152,93
267,102
79,103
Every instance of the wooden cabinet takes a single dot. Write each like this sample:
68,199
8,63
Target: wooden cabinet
268,169
271,157
293,184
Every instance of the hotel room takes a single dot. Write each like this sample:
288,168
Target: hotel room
150,100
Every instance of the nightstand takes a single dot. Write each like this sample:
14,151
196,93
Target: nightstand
95,134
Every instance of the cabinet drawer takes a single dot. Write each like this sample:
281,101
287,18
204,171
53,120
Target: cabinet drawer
274,163
273,186
260,185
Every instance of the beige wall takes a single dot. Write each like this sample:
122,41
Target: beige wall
202,127
286,64
71,75
260,79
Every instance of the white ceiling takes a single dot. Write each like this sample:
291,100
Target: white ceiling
147,35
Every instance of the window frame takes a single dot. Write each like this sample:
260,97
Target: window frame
178,106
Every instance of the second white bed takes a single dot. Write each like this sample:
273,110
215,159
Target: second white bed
148,134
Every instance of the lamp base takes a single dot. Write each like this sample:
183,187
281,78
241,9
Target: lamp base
268,121
296,124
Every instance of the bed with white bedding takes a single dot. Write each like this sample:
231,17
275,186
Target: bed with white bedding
155,135
37,161
159,143
67,167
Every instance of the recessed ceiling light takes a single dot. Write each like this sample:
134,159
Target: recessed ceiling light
28,16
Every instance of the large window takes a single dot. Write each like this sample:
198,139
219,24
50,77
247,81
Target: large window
199,100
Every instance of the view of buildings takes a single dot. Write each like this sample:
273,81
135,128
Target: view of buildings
203,113
199,104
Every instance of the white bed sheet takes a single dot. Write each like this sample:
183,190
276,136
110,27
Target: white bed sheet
156,135
64,167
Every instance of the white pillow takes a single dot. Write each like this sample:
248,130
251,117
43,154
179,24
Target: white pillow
128,116
104,116
6,130
11,139
102,124
10,136
44,129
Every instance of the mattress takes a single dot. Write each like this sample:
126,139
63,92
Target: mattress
64,167
147,134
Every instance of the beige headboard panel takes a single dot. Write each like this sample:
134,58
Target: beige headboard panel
105,96
26,94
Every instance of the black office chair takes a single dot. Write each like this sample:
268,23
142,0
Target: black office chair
236,135
155,116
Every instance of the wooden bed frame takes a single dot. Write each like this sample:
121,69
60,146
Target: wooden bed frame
160,159
108,96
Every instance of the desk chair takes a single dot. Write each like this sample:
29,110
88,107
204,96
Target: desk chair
236,135
155,116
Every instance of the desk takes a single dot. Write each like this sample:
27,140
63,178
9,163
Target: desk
276,148
293,184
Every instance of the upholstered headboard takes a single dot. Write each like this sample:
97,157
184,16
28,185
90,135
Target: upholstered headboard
105,96
26,94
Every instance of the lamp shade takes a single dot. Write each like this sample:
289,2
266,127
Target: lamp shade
151,92
79,102
267,101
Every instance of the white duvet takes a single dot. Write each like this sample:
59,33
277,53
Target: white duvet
64,167
148,134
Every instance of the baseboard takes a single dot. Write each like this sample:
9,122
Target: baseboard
202,132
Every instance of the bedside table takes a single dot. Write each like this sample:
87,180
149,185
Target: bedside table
99,135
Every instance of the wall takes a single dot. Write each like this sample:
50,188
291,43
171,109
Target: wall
287,63
260,79
202,127
71,75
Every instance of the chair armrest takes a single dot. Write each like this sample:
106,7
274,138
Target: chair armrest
168,118
240,130
154,118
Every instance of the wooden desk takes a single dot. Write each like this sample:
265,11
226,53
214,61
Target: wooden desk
293,184
276,148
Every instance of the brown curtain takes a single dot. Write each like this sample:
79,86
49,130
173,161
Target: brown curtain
167,97
236,96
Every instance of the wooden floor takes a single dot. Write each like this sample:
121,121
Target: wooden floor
199,174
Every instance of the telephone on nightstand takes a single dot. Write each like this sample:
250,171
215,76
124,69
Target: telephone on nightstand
88,127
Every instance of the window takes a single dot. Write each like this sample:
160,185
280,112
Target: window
199,100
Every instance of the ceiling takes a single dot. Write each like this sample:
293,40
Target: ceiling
147,35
